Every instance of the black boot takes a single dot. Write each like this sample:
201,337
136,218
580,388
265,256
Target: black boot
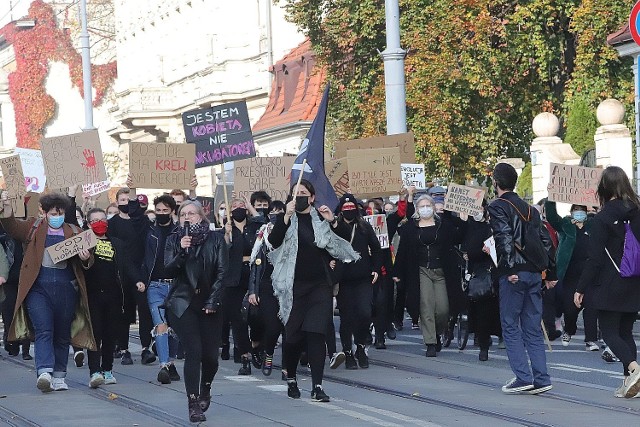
484,355
350,361
257,357
195,411
236,355
224,354
205,396
246,366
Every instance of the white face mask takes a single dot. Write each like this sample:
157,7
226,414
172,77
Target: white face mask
80,222
425,212
478,217
222,213
110,216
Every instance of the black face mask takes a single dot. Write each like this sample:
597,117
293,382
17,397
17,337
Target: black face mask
124,208
239,214
273,218
350,215
163,219
264,212
302,203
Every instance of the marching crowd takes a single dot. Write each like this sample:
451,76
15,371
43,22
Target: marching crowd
268,270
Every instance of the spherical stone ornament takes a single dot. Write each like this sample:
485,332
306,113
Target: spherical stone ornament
610,112
545,125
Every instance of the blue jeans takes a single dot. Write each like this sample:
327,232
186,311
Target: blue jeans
51,305
521,316
156,296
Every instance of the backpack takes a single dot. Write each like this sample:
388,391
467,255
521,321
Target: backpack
532,248
630,263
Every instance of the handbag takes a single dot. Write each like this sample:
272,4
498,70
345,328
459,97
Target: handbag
480,285
248,310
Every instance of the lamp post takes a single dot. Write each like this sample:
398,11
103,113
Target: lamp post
86,68
393,57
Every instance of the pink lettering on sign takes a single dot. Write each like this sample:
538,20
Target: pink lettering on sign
211,128
219,154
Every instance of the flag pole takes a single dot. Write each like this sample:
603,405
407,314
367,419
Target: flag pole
304,163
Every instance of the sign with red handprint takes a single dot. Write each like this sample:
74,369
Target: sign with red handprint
73,159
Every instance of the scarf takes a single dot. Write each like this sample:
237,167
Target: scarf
284,258
198,232
263,237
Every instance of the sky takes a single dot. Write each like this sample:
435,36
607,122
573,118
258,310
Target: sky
12,9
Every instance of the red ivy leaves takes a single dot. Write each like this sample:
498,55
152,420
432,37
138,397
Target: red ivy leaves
34,48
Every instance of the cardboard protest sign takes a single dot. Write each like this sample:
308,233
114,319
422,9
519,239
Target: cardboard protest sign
207,206
270,174
162,166
15,184
72,246
464,199
33,204
338,175
90,190
413,174
221,134
491,244
33,169
73,159
404,141
374,172
379,224
574,184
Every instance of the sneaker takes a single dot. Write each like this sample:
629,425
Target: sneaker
126,358
318,394
147,357
97,379
591,346
173,372
245,369
109,378
44,382
633,384
415,326
620,391
256,358
26,356
224,354
350,361
78,358
539,389
267,365
164,377
337,359
514,386
292,389
380,345
362,357
431,350
501,344
566,339
59,384
608,356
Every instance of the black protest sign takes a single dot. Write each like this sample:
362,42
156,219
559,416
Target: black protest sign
221,134
207,207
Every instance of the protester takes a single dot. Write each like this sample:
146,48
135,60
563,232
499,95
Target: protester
49,291
196,258
107,273
112,210
616,298
395,220
520,283
304,245
356,284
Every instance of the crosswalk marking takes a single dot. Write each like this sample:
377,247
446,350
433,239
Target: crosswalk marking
243,378
355,414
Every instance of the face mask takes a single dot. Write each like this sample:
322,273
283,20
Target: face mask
239,214
100,228
478,217
222,213
110,216
425,212
579,216
264,212
124,208
80,222
55,221
302,203
163,219
350,215
273,218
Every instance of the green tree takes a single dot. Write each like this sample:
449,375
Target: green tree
524,187
581,125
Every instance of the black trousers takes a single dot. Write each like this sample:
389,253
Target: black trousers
266,327
133,299
315,346
354,303
571,312
106,312
383,303
200,336
231,313
550,309
617,332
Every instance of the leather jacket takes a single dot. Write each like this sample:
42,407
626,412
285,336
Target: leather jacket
200,271
152,250
507,227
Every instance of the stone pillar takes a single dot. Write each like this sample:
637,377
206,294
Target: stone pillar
547,148
614,145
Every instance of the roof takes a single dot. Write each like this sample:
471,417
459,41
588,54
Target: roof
622,36
296,91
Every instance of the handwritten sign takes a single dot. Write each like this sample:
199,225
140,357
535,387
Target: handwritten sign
270,174
574,184
403,141
33,204
374,172
90,190
73,159
413,174
14,181
491,244
72,246
463,199
156,165
379,224
221,134
33,168
338,175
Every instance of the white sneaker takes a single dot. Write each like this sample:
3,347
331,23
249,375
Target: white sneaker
109,378
96,380
591,346
621,390
566,339
59,384
633,384
44,382
337,360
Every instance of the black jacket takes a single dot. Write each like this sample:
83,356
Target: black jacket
261,271
151,249
236,250
611,292
201,271
508,232
472,244
366,243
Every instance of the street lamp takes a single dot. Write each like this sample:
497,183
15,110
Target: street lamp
86,68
